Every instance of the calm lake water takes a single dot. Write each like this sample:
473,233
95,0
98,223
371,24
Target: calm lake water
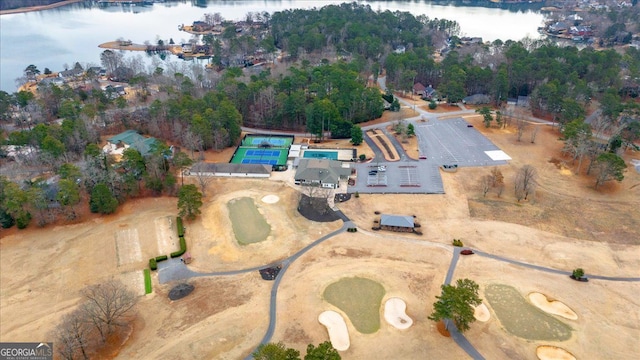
69,34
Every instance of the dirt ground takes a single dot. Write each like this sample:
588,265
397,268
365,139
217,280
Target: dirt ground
567,225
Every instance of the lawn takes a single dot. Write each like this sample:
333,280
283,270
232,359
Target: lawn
248,224
360,299
521,318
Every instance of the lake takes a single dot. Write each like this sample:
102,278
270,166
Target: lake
60,37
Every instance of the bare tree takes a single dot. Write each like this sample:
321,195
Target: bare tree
521,126
203,181
193,142
106,306
73,336
486,183
317,197
525,182
497,180
534,133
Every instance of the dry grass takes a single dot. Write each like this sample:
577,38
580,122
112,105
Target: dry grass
568,225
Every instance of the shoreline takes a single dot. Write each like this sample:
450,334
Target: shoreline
38,8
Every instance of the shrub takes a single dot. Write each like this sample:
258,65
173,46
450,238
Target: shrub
457,242
433,105
6,221
180,226
362,157
183,248
23,220
147,281
153,264
578,273
352,229
357,194
161,258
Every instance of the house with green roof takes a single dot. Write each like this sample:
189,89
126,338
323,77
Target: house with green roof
130,138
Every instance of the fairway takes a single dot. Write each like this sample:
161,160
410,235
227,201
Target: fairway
248,224
522,319
360,300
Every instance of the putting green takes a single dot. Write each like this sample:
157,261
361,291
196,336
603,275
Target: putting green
248,224
360,299
521,318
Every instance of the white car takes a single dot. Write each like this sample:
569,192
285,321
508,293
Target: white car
382,168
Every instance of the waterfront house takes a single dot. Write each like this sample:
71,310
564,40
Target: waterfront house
559,27
71,74
200,26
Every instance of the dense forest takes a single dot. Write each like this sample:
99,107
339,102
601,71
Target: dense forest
334,53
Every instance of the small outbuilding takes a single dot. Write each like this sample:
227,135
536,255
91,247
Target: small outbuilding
401,223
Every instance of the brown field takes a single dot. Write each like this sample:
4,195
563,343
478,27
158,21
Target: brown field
567,225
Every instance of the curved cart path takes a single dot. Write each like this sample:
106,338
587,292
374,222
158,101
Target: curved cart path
174,269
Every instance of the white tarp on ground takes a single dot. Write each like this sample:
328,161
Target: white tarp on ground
636,164
497,155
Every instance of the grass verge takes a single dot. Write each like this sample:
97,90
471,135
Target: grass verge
147,281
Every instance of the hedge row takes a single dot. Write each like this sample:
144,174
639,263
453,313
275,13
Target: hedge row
147,281
183,248
352,229
153,264
161,258
180,226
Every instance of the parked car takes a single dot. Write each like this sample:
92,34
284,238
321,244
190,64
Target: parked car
382,168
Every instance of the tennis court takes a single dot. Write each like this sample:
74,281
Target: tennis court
246,155
267,141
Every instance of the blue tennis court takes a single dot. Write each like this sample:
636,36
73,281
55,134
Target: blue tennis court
260,161
257,152
246,155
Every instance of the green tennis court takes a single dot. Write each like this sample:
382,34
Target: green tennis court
267,141
267,156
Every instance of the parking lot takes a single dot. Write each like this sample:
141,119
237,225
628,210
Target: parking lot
442,142
452,141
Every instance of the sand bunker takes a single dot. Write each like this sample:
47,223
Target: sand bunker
270,199
337,329
395,315
552,307
481,313
548,352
